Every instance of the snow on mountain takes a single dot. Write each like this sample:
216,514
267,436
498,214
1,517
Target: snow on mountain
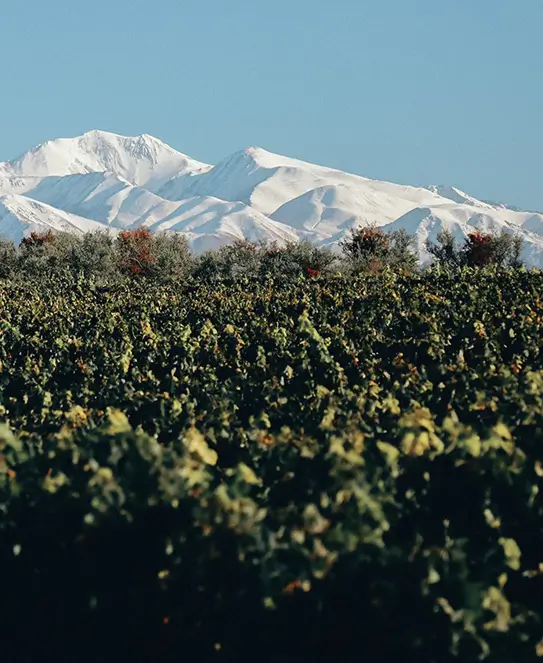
20,215
258,178
16,184
104,197
103,180
268,181
452,193
534,224
330,209
457,196
426,224
204,217
141,160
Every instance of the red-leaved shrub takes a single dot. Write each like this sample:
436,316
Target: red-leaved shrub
36,239
136,249
480,250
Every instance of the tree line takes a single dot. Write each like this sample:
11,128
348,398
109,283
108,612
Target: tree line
142,254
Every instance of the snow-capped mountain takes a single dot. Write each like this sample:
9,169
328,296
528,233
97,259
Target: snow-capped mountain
141,160
102,180
20,215
102,196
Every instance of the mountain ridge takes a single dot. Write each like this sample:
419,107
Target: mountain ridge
105,180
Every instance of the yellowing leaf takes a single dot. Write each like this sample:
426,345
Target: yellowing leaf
512,552
502,431
322,392
491,519
473,445
118,422
8,439
77,416
248,475
495,601
197,445
389,452
52,484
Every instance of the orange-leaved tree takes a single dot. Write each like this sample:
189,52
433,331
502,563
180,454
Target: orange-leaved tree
36,239
136,254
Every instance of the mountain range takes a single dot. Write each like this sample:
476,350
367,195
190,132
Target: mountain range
103,180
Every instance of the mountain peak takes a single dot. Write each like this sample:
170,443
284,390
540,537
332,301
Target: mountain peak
255,151
97,132
141,160
456,195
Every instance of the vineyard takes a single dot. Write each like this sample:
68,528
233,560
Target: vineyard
318,468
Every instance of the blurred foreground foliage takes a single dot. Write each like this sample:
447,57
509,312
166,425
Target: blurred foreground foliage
319,469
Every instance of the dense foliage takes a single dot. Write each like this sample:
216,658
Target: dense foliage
369,248
166,257
323,468
478,249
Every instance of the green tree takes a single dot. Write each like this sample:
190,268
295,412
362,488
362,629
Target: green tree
8,259
370,248
479,249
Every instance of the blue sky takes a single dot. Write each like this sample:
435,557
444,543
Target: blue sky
413,91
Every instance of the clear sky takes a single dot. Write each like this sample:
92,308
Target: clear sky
412,91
